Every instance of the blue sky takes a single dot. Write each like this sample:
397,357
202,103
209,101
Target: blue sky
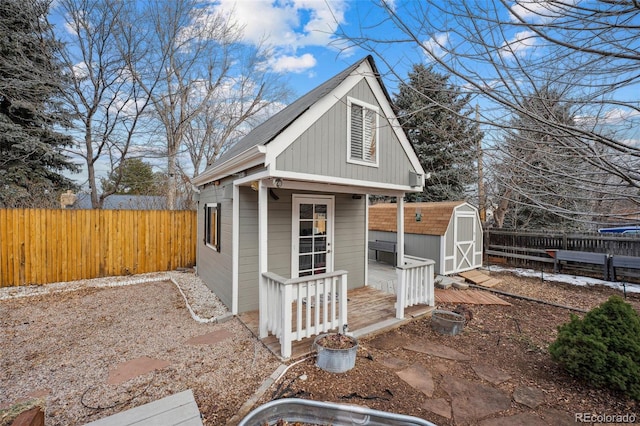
302,33
307,50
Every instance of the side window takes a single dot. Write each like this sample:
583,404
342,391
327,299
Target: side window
362,137
212,226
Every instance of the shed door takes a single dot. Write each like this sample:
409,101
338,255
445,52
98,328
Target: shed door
464,238
312,234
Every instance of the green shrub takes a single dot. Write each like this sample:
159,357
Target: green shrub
603,347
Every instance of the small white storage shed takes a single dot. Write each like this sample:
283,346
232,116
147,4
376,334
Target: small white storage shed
449,232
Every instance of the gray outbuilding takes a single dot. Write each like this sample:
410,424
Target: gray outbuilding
282,214
448,232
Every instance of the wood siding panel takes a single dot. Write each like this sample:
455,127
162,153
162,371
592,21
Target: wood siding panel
248,262
349,238
215,267
42,246
322,148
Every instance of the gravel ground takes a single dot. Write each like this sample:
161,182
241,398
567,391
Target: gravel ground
60,341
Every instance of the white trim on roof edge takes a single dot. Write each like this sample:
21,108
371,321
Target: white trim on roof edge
315,111
373,187
267,154
252,157
302,123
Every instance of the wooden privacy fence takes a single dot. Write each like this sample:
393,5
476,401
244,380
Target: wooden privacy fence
531,249
40,246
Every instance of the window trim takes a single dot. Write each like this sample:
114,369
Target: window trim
376,111
215,245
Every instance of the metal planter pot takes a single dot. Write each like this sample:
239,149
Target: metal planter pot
335,360
447,322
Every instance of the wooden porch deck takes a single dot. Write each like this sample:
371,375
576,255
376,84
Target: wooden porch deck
370,311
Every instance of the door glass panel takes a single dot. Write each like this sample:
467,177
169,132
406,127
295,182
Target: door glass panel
305,262
306,228
306,211
320,244
320,227
320,260
306,245
321,209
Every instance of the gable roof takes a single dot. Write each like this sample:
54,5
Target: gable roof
255,149
435,217
272,127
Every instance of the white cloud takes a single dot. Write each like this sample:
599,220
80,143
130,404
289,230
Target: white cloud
296,23
436,44
296,64
521,43
538,11
618,115
287,26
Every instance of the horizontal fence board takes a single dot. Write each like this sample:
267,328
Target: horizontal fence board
520,249
41,246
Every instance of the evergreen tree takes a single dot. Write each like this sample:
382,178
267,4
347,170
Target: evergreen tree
435,116
31,150
541,171
134,177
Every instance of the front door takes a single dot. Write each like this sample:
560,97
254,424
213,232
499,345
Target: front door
312,232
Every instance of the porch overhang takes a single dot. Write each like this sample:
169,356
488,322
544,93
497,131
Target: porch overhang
274,179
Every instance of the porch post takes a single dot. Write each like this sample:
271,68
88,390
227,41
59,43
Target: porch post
235,245
401,273
262,258
400,230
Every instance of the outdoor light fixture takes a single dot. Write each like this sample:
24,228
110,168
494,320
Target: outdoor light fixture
254,185
277,182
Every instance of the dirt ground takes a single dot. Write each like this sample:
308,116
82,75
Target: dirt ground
513,339
61,348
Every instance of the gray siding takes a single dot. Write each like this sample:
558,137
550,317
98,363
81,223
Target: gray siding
248,242
322,148
215,268
349,238
349,228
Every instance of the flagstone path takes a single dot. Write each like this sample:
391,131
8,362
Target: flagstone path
470,401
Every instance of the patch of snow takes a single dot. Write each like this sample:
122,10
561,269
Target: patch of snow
569,279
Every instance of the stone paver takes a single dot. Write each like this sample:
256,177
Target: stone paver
210,338
558,418
490,374
388,341
419,378
470,401
522,419
134,368
434,349
531,397
438,406
392,362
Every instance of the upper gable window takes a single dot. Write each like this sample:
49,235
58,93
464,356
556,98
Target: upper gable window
362,133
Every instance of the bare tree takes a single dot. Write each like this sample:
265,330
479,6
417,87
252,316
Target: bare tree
209,83
107,102
502,52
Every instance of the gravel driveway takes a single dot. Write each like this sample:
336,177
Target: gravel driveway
64,346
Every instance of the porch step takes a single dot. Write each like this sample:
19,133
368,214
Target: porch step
479,278
380,327
178,409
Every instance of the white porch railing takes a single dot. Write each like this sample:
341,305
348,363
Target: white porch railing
415,283
320,305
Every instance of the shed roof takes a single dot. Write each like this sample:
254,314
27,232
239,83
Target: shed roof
435,217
